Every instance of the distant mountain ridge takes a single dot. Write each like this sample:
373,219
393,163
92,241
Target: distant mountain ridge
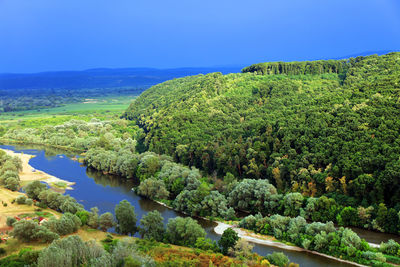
101,78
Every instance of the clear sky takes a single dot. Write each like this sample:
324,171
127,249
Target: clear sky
48,35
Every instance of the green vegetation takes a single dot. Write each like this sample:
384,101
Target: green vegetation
328,128
126,218
316,67
9,168
228,240
286,142
76,134
152,226
303,132
49,101
278,259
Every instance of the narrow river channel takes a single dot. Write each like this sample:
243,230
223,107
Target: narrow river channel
94,189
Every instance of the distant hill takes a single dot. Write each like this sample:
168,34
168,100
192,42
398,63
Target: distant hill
368,53
101,78
316,127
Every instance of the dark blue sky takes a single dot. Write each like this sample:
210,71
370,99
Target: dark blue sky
41,35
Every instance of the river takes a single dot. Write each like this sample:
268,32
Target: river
94,189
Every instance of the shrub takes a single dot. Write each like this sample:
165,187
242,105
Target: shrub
278,258
21,200
29,202
10,221
184,231
228,240
391,247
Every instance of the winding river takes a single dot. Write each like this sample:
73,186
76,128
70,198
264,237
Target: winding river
93,189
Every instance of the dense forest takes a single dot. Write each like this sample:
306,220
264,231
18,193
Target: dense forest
323,128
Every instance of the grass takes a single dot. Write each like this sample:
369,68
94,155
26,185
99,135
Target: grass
100,108
60,185
11,210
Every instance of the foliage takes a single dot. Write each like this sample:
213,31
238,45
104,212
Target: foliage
106,221
72,251
184,231
10,221
152,226
308,127
83,215
93,220
317,236
391,248
278,259
126,218
242,249
9,168
67,224
228,240
34,188
28,231
21,199
153,189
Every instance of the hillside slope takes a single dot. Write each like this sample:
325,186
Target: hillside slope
332,129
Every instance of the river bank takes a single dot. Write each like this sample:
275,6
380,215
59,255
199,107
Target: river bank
269,241
94,189
266,240
30,174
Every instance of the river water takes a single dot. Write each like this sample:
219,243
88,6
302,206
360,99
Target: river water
94,189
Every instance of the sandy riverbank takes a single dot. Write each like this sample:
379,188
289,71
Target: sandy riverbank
268,241
29,173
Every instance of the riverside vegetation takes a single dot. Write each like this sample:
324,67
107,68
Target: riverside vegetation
289,142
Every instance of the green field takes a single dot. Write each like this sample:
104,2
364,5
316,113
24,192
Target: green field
106,107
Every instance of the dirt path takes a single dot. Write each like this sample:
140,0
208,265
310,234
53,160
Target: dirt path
29,173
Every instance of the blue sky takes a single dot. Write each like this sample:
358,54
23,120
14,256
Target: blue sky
49,35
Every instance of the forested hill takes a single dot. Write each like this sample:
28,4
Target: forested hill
324,127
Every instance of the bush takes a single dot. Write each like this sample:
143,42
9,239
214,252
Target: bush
228,240
27,231
21,200
278,258
83,215
67,224
2,251
29,202
184,231
369,255
393,259
41,205
391,247
10,221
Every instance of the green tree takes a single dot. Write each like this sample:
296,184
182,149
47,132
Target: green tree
106,221
93,220
34,188
152,226
278,259
184,231
228,240
126,218
153,189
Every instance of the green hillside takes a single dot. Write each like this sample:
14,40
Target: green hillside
323,127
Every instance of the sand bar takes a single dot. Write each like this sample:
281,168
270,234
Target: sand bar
29,173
